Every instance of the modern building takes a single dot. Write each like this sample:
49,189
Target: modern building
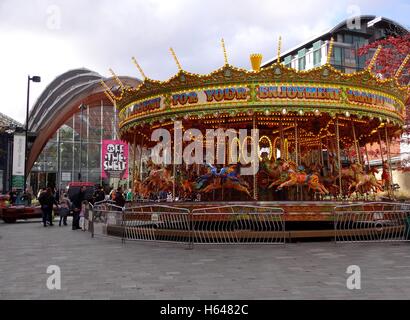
71,119
8,127
349,36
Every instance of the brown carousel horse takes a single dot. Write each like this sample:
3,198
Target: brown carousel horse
328,181
141,189
364,182
299,178
159,179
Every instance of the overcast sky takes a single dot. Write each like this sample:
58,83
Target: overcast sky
47,38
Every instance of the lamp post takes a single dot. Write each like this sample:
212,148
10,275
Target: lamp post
34,79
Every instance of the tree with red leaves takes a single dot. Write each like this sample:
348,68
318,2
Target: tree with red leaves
394,51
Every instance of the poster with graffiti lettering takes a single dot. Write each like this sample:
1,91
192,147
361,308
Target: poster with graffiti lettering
114,159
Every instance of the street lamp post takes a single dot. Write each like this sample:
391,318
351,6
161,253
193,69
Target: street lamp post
34,79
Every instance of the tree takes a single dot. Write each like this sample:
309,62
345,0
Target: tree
394,51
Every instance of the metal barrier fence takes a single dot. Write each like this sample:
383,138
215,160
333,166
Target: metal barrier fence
224,224
372,222
104,219
234,224
156,223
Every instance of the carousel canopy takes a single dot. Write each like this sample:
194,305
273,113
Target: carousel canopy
276,95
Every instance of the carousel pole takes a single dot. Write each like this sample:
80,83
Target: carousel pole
140,162
356,144
173,180
321,151
281,140
380,144
329,165
391,191
367,156
255,176
296,144
338,157
297,156
134,151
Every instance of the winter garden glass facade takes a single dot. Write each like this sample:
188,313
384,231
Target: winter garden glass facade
74,151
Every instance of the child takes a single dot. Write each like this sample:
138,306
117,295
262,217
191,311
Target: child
82,214
65,205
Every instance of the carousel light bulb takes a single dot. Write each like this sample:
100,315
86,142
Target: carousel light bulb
347,114
284,111
301,112
267,112
317,112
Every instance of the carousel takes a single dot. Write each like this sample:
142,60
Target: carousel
311,131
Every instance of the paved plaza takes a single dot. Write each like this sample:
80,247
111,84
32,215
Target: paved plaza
104,268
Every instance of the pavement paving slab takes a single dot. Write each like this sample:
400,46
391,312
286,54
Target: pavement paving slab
104,268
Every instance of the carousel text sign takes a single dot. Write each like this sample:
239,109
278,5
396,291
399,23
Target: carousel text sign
263,92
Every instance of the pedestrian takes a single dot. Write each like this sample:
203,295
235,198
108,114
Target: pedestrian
13,196
84,205
77,201
47,201
65,205
99,194
119,198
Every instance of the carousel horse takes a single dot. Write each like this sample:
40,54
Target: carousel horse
186,184
366,181
141,189
227,177
299,177
159,179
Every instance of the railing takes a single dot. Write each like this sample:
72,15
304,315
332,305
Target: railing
372,222
156,223
238,224
104,219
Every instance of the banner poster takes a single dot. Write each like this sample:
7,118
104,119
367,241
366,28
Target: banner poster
19,147
114,159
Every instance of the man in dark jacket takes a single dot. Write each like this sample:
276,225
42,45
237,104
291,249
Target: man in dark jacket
47,201
119,198
77,200
99,194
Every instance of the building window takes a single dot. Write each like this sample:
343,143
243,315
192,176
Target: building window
317,57
337,56
350,57
348,38
302,63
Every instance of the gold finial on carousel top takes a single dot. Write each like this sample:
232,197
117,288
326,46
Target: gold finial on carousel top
403,64
373,61
175,58
279,47
139,68
109,97
256,60
116,78
107,90
224,51
330,51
